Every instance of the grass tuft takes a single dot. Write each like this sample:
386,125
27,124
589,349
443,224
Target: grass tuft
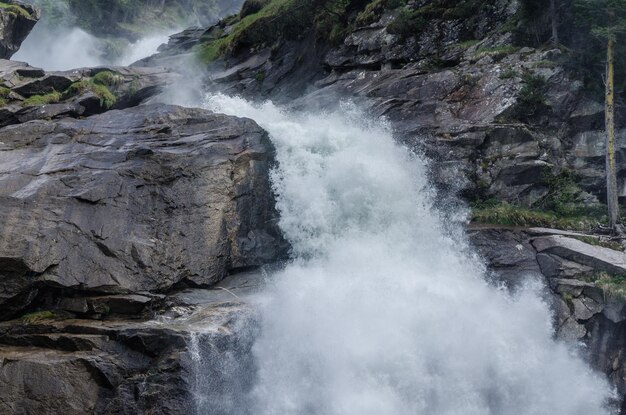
613,285
502,213
37,100
37,317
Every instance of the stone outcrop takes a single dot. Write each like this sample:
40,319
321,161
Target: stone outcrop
140,200
29,93
17,19
126,367
584,277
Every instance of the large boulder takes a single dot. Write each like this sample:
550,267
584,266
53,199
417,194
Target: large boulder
140,200
17,19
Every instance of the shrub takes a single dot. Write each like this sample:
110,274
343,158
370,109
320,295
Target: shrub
407,24
531,100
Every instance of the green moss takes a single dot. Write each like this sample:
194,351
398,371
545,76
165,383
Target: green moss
277,18
37,317
107,98
4,95
37,100
15,9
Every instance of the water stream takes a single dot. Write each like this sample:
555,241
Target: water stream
383,309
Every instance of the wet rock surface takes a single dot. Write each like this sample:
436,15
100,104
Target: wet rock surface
122,367
143,199
582,284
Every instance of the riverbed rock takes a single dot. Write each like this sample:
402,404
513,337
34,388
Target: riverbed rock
112,367
143,199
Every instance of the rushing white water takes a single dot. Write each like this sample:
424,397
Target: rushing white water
381,312
144,47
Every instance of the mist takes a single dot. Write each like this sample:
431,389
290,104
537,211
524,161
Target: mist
60,48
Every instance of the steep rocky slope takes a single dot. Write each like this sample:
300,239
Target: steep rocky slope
506,121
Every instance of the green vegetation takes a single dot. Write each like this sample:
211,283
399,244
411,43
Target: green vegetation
107,98
278,18
604,243
4,95
502,213
37,100
546,64
531,100
563,207
15,9
374,9
99,85
407,23
613,285
508,74
467,44
496,53
107,78
268,23
37,317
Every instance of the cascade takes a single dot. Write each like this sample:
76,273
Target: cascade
384,309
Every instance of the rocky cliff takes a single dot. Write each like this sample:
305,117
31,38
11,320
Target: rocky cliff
17,19
503,117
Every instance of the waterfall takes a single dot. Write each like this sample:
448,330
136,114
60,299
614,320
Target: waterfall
384,310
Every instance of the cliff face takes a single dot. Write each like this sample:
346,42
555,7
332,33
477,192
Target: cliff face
16,21
505,120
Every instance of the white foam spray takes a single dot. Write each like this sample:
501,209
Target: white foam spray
58,49
381,312
144,47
